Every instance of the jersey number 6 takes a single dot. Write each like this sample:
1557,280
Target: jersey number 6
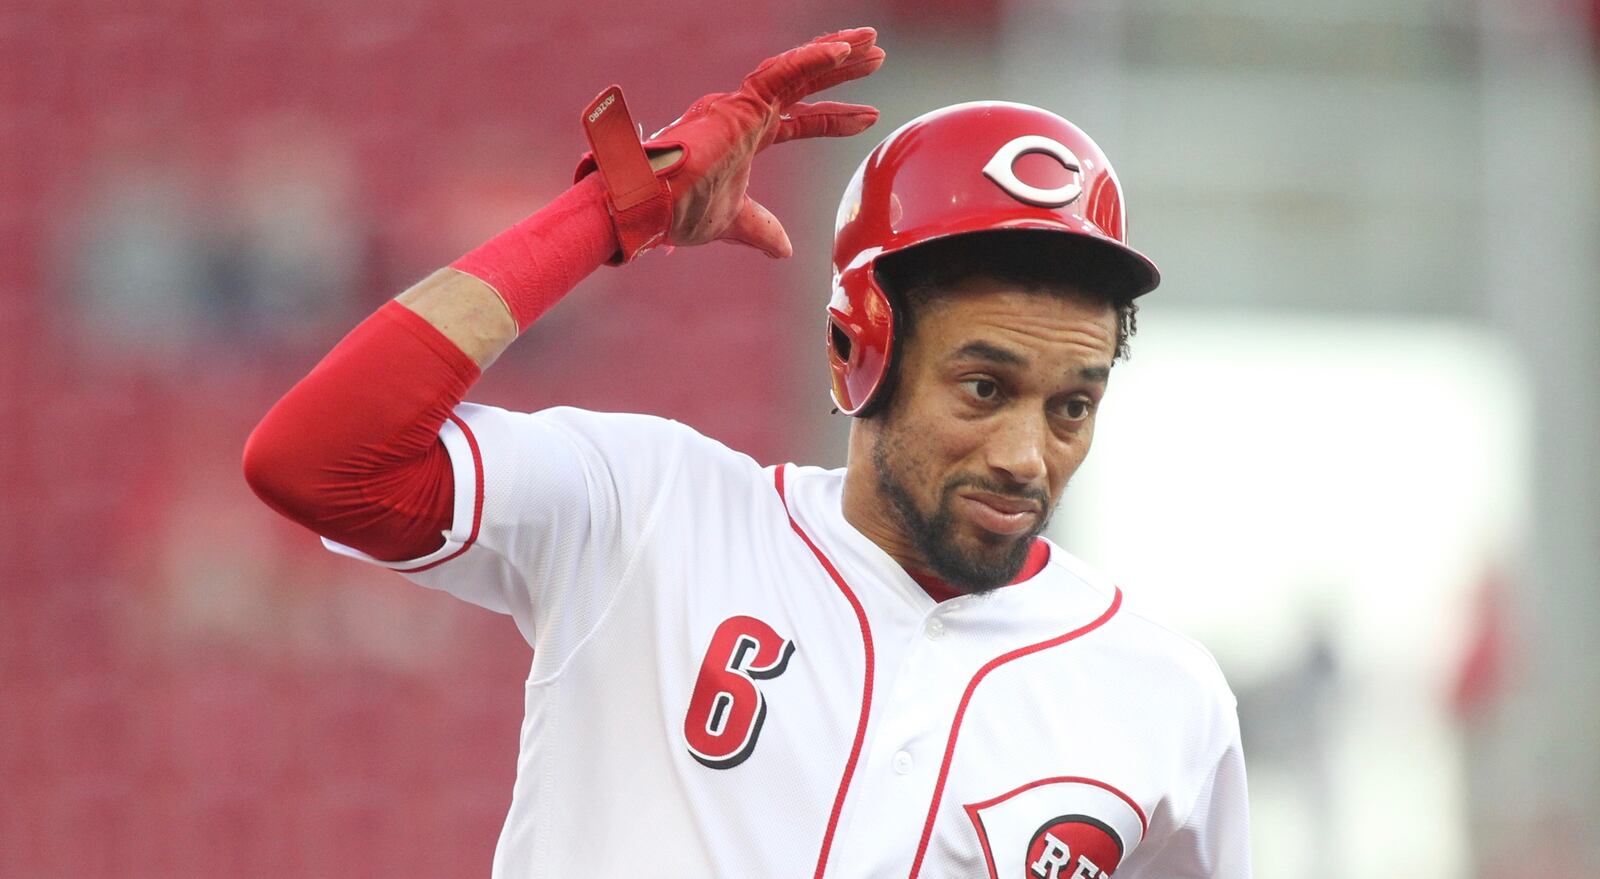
727,708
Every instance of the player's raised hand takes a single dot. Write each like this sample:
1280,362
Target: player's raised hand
711,147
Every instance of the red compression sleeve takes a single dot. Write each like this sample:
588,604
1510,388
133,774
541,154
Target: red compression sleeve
353,451
534,263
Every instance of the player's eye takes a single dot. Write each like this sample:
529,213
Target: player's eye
1076,410
981,388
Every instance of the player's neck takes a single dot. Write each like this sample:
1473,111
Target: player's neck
870,514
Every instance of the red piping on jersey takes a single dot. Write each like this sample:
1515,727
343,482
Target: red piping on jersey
961,710
974,808
477,499
866,683
1144,825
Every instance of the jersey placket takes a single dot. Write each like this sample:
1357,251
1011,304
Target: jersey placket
904,751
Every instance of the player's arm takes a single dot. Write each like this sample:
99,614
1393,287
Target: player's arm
576,232
353,450
1213,842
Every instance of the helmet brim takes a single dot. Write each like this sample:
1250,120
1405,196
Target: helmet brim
1126,273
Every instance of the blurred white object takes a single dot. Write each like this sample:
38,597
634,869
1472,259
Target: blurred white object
1317,500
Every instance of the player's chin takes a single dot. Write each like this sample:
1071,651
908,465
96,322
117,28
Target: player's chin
980,563
992,548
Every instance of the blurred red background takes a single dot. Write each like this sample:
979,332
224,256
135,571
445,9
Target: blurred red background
199,198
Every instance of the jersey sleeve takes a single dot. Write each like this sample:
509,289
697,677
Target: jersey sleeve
1214,841
551,509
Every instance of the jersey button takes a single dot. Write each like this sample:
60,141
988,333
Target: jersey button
934,629
902,762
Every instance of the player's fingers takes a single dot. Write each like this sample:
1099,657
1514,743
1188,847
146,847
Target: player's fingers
859,64
859,38
784,78
824,119
757,227
864,58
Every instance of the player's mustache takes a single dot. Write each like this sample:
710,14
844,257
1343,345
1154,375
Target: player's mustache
1037,495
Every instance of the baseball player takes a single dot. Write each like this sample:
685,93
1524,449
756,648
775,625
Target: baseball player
881,670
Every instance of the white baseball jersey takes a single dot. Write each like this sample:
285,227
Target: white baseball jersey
729,680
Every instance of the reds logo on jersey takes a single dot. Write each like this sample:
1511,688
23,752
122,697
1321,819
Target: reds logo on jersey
1057,828
1074,847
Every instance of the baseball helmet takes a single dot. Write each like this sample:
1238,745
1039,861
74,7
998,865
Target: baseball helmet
985,166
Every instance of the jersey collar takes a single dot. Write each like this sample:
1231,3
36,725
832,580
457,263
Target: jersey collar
939,590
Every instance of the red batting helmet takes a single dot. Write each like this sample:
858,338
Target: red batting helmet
955,171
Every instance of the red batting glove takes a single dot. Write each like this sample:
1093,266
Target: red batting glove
702,195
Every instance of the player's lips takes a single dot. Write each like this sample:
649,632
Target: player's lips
998,513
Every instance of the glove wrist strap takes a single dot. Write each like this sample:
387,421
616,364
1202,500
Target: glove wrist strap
639,202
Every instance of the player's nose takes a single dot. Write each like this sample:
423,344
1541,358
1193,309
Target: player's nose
1016,450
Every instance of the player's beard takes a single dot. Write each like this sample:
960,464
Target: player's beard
994,563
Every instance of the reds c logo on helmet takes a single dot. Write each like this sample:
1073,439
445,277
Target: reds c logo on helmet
958,171
1003,171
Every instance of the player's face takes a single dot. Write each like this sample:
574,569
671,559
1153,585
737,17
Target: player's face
994,411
